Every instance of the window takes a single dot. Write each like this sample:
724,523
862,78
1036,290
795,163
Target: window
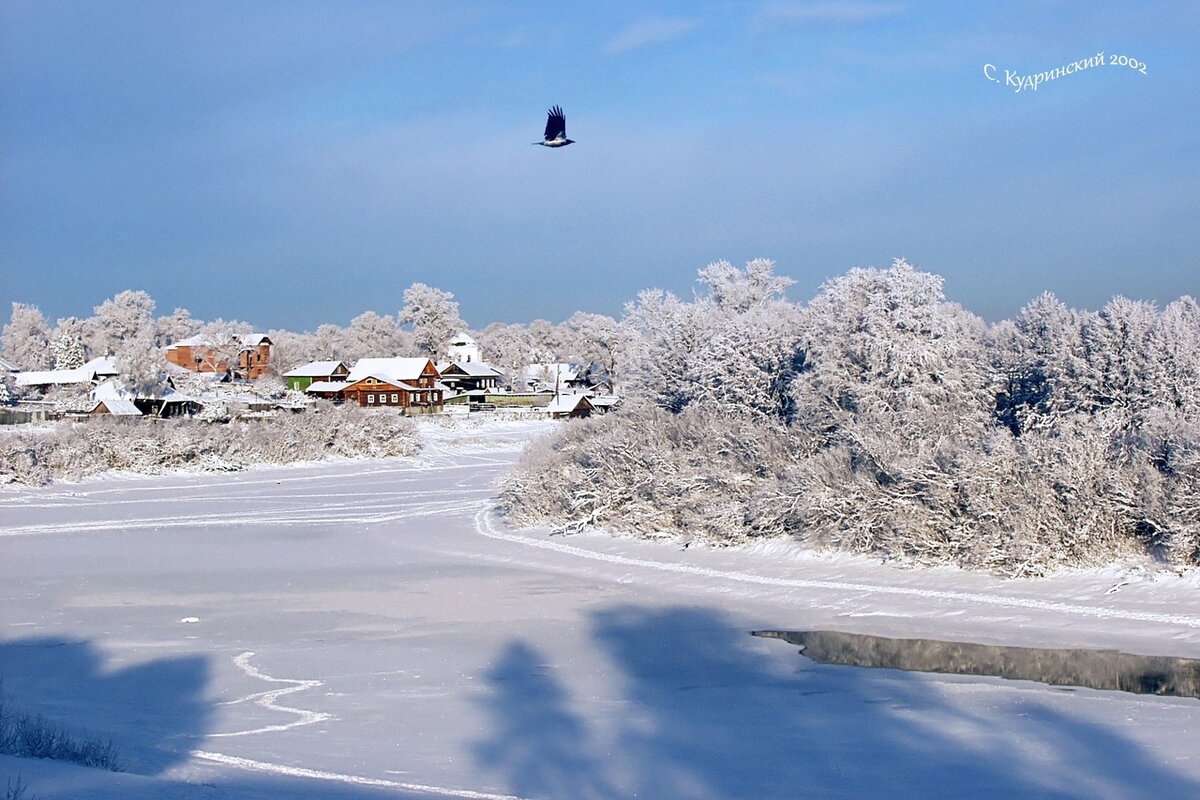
395,398
370,399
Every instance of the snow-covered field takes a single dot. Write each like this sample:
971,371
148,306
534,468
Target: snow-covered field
372,629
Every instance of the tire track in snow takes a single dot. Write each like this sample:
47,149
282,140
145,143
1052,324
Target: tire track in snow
357,780
484,526
316,515
267,700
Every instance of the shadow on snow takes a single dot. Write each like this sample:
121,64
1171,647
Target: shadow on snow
703,716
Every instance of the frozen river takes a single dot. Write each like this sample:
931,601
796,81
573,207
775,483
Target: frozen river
373,629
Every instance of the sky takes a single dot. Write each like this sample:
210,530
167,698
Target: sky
294,163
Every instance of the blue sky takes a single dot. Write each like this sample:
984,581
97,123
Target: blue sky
295,163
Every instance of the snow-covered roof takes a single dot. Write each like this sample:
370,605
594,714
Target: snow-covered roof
8,366
96,368
326,386
461,338
565,403
116,401
200,340
383,378
191,341
603,400
392,369
476,369
314,369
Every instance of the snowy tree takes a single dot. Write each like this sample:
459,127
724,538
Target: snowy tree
290,349
885,343
507,348
142,365
593,339
68,351
1043,364
739,290
433,317
659,335
119,319
26,338
1118,340
180,325
372,335
222,341
1174,353
330,343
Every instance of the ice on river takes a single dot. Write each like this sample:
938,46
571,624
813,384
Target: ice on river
373,629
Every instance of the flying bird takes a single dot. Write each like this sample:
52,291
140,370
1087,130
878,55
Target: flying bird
556,129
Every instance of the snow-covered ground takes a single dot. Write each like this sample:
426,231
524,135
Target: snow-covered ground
372,629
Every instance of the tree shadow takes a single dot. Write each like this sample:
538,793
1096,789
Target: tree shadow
705,716
540,746
154,712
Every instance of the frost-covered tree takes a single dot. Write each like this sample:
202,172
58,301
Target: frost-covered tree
659,335
330,342
433,318
593,340
142,364
1174,356
886,344
178,326
506,347
1118,340
739,290
26,338
1043,366
68,351
119,319
290,349
372,335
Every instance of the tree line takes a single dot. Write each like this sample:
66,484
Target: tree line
881,418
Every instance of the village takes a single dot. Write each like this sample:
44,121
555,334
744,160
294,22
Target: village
202,380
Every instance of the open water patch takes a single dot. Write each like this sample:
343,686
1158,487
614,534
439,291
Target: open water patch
1091,669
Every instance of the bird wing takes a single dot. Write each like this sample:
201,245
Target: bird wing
556,124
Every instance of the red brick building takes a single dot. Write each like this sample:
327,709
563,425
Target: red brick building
198,355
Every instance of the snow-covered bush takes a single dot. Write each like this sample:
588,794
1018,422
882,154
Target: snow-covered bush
75,451
883,419
26,735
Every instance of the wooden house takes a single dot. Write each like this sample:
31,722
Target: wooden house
410,384
305,375
469,376
569,406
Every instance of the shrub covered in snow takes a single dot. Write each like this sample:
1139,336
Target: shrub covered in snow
28,735
880,418
74,451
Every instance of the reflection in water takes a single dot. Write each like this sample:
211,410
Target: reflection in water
1094,669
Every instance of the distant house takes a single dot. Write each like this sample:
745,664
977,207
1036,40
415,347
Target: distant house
95,371
300,378
198,355
553,377
407,383
171,404
111,399
468,376
569,406
8,368
463,348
